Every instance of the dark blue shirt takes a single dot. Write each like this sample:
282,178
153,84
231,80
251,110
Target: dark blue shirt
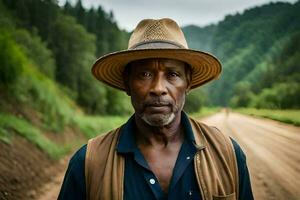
140,182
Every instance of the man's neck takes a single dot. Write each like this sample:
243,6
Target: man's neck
159,136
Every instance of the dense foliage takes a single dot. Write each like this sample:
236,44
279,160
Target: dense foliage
259,50
45,74
62,43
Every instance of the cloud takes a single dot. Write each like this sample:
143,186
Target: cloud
199,12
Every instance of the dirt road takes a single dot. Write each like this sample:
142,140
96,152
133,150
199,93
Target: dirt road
273,156
273,153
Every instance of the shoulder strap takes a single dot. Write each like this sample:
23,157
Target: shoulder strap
104,168
215,162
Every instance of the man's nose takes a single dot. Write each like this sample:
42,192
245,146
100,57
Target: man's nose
158,86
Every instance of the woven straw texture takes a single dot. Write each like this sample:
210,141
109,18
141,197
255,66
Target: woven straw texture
161,38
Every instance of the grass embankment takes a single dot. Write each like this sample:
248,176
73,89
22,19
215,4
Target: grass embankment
9,123
286,116
205,112
89,126
32,105
92,126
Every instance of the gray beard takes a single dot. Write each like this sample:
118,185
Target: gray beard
158,120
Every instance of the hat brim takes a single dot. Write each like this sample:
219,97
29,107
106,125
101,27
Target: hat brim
109,68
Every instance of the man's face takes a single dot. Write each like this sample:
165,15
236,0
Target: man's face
157,88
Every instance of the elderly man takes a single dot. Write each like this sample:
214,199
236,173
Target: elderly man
159,153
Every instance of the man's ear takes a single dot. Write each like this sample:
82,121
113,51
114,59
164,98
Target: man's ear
188,89
127,90
126,84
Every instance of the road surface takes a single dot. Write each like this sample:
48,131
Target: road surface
272,150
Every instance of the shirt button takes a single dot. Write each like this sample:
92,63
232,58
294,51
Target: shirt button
152,181
188,158
190,192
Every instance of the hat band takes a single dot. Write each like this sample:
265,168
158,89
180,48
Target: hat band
159,44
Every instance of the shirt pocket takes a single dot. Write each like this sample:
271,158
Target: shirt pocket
225,197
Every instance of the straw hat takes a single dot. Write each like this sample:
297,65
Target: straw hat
161,38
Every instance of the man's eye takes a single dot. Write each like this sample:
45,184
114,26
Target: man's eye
173,74
145,74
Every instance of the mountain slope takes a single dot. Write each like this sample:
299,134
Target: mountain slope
251,46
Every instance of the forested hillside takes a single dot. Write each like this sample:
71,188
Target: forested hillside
260,53
62,44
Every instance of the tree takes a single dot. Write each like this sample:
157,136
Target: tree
36,50
74,50
195,100
12,59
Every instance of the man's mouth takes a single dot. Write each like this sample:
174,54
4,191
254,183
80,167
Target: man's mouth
158,104
158,107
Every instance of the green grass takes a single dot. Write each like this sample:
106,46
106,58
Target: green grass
286,116
4,135
43,95
205,112
92,126
10,124
53,108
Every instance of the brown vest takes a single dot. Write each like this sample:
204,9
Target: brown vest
215,165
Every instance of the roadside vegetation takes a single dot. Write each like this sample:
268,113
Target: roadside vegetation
286,116
46,85
10,124
260,53
92,126
205,112
45,80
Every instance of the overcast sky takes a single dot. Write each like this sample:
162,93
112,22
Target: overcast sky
198,12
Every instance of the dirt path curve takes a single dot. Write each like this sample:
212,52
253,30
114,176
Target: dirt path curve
273,153
273,156
50,190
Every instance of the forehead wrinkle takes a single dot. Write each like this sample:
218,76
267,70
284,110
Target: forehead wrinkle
157,64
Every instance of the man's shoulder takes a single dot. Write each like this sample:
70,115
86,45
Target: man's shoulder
240,155
77,159
80,154
205,131
107,136
202,125
213,132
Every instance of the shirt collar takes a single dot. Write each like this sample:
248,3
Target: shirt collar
127,142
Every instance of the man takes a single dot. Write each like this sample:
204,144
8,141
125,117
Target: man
160,153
